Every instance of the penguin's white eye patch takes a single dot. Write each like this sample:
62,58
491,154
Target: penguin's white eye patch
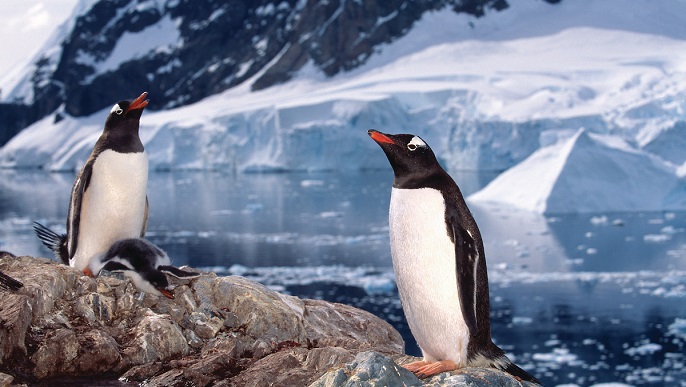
415,143
116,109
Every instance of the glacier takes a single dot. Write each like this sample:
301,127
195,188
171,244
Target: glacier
504,92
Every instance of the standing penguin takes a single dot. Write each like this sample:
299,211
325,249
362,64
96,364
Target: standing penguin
108,199
439,263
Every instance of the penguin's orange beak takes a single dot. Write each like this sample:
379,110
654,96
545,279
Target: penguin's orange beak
139,103
379,137
167,293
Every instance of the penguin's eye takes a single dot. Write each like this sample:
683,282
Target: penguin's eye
416,143
117,109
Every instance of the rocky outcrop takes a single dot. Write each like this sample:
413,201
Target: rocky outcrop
216,331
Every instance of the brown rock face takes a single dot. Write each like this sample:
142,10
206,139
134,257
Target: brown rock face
217,330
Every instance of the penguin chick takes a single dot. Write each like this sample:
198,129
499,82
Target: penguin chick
143,262
439,263
108,199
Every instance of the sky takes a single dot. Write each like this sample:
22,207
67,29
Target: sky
25,26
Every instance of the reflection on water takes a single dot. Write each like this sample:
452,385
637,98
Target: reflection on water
576,299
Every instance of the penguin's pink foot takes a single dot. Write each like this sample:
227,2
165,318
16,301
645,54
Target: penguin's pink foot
431,368
414,366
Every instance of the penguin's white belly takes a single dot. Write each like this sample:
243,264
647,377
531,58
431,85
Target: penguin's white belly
425,272
113,206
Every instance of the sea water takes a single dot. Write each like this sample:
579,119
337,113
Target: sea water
576,299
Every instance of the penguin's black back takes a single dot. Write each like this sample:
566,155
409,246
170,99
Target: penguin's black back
141,255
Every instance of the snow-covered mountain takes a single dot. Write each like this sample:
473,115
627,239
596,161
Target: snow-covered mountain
486,92
182,51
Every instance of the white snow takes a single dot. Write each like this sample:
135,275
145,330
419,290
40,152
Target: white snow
579,102
162,36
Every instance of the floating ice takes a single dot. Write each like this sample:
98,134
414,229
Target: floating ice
599,220
520,320
678,328
311,183
643,350
558,355
656,238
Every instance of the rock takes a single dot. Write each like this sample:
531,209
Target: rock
369,369
5,380
331,327
221,331
15,320
475,377
216,330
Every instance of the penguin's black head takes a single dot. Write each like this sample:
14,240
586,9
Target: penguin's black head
126,114
412,159
159,281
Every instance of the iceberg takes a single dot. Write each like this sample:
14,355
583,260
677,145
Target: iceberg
588,173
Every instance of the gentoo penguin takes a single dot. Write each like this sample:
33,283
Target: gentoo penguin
143,262
108,199
7,282
439,263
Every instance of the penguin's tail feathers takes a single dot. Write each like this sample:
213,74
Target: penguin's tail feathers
54,241
7,282
494,357
504,364
514,370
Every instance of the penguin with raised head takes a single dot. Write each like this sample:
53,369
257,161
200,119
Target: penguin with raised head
439,263
143,262
108,199
7,282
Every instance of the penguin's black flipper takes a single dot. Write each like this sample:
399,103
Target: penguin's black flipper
115,266
466,256
178,273
52,240
9,283
74,217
